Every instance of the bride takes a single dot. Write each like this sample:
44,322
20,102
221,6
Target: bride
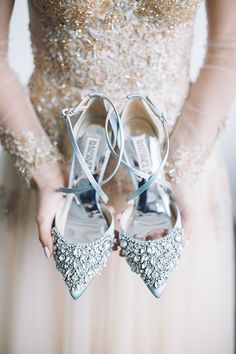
117,48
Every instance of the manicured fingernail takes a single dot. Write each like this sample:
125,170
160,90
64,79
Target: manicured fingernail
46,252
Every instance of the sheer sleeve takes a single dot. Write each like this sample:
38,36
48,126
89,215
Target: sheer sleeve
21,133
210,97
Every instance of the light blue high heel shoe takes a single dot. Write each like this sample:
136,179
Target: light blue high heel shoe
84,228
150,207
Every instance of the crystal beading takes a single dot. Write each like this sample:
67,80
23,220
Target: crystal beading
79,263
188,163
153,260
28,151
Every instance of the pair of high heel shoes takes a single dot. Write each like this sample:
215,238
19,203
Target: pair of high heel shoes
83,231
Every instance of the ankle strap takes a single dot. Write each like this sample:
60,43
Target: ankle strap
160,116
115,124
150,179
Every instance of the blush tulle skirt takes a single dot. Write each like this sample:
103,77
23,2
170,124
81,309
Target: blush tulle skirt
117,314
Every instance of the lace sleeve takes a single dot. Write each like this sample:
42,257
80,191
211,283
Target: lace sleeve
21,133
204,113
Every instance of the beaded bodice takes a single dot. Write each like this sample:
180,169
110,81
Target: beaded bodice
113,46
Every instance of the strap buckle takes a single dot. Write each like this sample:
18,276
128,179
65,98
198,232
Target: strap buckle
156,110
66,113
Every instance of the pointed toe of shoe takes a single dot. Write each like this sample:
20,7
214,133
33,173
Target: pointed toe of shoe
76,293
157,292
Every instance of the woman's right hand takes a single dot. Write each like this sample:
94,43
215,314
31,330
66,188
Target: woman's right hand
46,181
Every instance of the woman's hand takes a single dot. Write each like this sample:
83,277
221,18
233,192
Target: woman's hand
46,180
182,195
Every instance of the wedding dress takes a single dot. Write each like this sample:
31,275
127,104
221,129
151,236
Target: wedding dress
116,47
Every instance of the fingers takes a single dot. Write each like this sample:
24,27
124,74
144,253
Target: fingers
121,253
116,241
116,238
47,206
44,229
155,234
47,179
187,221
118,216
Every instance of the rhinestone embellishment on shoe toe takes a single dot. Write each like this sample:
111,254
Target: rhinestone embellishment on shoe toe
79,263
153,260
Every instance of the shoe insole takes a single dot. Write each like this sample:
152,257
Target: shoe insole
84,220
143,151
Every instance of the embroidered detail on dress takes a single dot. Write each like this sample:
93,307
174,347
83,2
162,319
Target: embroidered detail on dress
28,151
112,46
188,163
